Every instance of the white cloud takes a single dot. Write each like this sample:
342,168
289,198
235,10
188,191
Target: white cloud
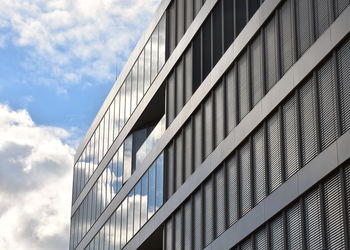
35,183
84,38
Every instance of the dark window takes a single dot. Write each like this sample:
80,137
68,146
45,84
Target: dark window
217,32
197,61
241,15
340,5
253,6
206,50
228,23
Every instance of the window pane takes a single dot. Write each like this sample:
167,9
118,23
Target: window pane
322,16
245,180
188,150
122,107
147,66
189,13
128,94
198,141
178,230
344,86
277,231
232,189
152,190
197,6
127,158
154,65
170,169
171,98
162,42
172,26
130,215
124,220
140,78
120,166
313,224
111,125
294,227
208,212
144,198
220,201
134,87
198,241
228,23
197,71
253,6
188,225
159,181
137,204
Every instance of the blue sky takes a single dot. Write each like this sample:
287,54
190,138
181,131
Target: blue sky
58,61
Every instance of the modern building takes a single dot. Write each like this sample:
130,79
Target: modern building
228,128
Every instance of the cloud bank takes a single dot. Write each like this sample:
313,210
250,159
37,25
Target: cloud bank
78,42
35,183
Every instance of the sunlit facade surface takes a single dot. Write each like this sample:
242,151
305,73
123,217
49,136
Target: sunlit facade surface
228,128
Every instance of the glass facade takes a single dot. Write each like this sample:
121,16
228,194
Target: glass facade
292,133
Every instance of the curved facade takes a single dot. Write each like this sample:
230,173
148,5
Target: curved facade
228,128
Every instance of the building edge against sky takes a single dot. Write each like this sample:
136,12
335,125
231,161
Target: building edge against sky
228,128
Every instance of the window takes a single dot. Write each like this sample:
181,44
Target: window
258,157
188,73
172,27
232,183
118,220
241,15
322,15
169,234
220,200
217,32
179,86
144,198
124,217
162,42
207,51
188,225
154,65
209,211
140,78
170,170
171,112
188,150
344,86
189,13
180,18
198,141
137,205
127,158
277,231
228,23
122,106
128,97
134,87
208,126
198,241
159,181
151,190
178,229
294,227
120,174
130,199
196,49
179,160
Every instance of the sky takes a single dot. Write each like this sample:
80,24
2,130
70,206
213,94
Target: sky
58,61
